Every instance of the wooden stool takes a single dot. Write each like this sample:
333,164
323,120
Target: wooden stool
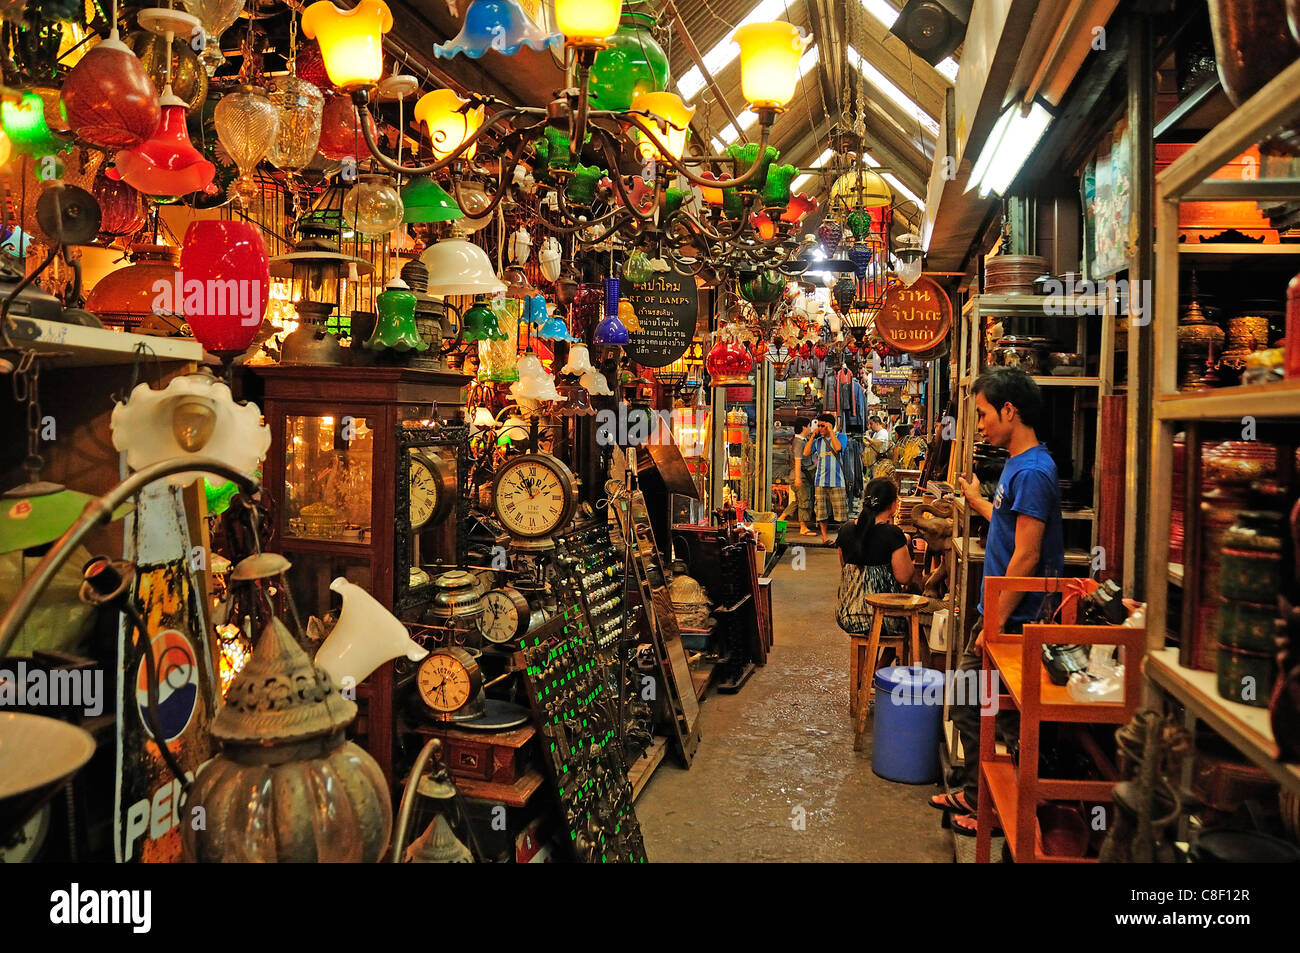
864,650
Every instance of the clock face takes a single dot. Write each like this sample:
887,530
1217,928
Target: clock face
429,482
533,496
445,681
505,615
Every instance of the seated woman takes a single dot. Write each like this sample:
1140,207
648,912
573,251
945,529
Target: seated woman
879,547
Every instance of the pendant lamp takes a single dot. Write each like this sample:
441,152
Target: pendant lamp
247,122
480,323
109,99
458,267
373,206
728,363
611,331
340,128
395,327
167,164
217,16
424,200
298,131
121,207
351,41
24,123
218,256
500,25
450,122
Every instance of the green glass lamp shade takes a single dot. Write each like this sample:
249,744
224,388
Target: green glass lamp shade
673,198
424,200
859,223
733,201
632,63
763,288
480,324
24,124
637,268
582,186
776,190
219,495
395,327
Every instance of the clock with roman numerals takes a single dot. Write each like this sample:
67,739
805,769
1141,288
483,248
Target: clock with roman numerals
534,496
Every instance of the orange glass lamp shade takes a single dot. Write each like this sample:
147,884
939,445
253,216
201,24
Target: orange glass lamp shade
763,225
167,164
712,196
129,297
109,99
769,63
675,114
587,22
6,147
449,123
728,363
351,41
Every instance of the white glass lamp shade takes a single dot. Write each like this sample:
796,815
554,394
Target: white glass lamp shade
579,361
521,245
458,267
366,636
595,383
194,416
534,383
549,258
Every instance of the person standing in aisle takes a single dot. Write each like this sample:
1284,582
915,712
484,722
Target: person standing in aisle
880,434
803,475
829,496
1024,539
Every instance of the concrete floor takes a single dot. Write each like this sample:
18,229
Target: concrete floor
781,751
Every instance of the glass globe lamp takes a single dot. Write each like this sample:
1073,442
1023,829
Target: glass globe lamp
373,206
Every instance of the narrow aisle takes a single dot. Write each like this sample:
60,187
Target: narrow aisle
782,750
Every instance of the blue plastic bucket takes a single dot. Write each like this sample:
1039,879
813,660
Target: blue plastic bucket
907,724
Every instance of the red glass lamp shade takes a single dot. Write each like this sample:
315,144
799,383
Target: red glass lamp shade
121,207
340,129
167,164
729,364
110,100
226,283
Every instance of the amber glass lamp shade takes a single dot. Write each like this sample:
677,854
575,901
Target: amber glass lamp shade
769,63
167,164
247,123
449,122
587,22
298,132
351,41
109,99
121,207
216,253
340,129
126,298
669,108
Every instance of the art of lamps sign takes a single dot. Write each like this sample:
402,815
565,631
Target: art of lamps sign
916,318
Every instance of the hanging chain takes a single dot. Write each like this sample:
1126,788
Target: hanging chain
293,43
26,384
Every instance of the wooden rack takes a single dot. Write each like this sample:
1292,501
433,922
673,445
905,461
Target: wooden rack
1189,179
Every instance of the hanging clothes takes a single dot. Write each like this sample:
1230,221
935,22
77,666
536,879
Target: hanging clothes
851,462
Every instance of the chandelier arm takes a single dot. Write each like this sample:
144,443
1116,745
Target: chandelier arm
693,225
614,227
503,182
571,229
611,159
765,128
496,119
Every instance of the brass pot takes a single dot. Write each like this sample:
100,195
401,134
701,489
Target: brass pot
1251,44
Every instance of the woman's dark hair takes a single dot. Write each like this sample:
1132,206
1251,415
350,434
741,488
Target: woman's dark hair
1011,385
879,496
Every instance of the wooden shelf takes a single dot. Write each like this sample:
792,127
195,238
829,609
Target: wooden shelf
71,345
1007,656
1239,248
1246,728
1176,574
1067,381
1085,514
1068,306
1279,399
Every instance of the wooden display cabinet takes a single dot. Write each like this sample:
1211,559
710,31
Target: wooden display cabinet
331,484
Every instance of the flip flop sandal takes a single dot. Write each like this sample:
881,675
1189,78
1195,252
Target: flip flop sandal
949,802
973,830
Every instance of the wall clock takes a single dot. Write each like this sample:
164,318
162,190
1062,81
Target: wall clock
534,496
432,488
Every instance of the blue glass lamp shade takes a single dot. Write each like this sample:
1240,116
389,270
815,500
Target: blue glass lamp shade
556,330
861,255
500,25
611,331
536,313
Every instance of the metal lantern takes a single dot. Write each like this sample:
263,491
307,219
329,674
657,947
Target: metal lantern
300,104
247,123
287,785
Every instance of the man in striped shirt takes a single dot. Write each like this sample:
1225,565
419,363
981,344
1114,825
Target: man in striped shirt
829,495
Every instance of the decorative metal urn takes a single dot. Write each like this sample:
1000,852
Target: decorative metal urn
287,787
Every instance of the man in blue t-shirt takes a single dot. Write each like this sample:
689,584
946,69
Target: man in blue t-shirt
1024,539
830,499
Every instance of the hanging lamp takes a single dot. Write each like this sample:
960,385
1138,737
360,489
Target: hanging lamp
247,123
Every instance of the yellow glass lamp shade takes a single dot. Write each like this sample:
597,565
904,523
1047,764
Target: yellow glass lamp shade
449,125
6,147
769,63
351,41
675,114
587,22
862,188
